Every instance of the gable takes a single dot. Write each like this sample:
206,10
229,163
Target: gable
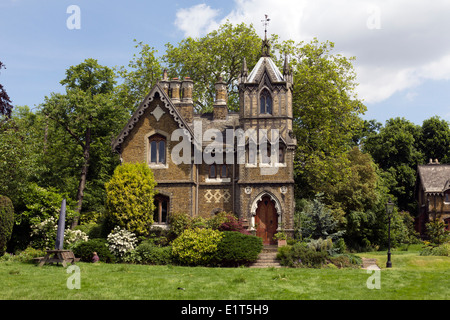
156,93
264,66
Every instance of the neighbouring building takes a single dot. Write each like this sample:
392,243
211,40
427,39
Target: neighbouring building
433,194
257,186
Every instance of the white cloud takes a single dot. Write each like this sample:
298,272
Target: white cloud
397,44
197,20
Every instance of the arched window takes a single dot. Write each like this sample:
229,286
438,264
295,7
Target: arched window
157,149
265,102
161,209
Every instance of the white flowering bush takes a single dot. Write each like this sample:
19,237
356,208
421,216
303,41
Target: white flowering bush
121,242
43,234
73,236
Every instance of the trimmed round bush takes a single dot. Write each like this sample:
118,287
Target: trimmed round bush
237,248
196,246
84,250
129,197
6,222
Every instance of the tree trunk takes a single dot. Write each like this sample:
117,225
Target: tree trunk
84,172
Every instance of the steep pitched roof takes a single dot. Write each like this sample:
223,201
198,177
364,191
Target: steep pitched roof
265,64
156,90
434,177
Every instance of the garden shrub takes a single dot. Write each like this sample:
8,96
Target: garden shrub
43,234
196,246
84,250
237,248
148,253
121,241
345,261
436,231
442,250
179,221
129,197
6,222
232,223
299,255
72,237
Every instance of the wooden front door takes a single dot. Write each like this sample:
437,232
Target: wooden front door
266,220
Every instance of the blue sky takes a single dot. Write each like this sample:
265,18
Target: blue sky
402,47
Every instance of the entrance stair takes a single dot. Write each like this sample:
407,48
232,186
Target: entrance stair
267,258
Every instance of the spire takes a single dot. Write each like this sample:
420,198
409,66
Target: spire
265,48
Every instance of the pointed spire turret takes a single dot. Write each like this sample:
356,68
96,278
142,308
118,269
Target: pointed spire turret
265,48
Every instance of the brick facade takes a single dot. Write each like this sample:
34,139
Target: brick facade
238,187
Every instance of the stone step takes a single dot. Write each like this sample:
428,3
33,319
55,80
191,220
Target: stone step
267,258
366,262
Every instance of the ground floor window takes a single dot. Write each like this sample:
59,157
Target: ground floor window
161,209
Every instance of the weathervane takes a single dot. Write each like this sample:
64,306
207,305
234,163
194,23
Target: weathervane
265,24
265,44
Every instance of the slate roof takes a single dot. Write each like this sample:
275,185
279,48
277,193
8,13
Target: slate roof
265,64
434,178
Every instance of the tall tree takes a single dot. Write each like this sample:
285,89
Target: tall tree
142,74
218,54
396,150
5,101
435,139
326,114
86,112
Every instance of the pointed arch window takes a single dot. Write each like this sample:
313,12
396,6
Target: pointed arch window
157,149
265,102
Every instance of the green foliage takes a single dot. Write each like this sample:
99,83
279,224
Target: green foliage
345,261
42,204
130,195
236,248
437,232
219,53
24,256
435,139
84,250
196,246
396,150
86,117
6,222
316,221
326,114
299,255
148,253
144,74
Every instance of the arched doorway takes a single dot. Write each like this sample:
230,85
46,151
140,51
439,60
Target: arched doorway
266,220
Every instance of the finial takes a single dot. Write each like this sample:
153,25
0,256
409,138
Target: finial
265,44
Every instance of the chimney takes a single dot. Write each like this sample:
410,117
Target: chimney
186,106
175,89
164,83
220,104
186,89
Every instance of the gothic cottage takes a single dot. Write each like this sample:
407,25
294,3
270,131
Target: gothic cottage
240,162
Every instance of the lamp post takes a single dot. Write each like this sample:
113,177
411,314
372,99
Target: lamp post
389,210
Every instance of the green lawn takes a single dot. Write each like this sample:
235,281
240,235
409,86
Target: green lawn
412,277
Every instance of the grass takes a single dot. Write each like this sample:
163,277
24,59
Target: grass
411,277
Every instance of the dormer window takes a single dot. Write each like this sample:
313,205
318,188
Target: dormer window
265,102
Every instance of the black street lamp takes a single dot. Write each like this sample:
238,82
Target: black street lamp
389,210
